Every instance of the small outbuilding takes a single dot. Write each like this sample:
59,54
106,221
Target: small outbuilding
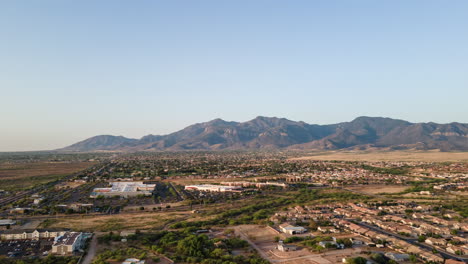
292,230
285,248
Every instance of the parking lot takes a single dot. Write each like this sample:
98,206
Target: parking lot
24,248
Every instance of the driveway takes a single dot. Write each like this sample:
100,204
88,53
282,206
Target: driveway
91,251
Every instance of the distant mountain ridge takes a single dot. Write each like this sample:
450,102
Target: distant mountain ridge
277,133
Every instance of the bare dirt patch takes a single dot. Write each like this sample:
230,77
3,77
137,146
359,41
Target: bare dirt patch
376,189
105,223
428,156
68,185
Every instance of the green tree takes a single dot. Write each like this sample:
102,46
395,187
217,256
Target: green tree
194,246
217,253
356,260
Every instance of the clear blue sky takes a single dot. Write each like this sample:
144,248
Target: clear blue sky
74,69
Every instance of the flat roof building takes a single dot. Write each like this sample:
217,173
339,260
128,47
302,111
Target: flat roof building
14,234
124,189
68,243
292,230
213,188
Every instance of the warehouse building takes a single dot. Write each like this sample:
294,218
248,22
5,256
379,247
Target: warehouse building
125,189
213,188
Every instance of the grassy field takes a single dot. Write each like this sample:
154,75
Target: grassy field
428,156
16,176
106,223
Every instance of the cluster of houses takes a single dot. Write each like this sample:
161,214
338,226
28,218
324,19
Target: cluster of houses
390,241
302,214
405,221
414,226
322,173
452,185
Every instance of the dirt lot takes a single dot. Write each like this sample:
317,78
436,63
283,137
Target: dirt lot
24,175
68,185
375,189
387,156
263,240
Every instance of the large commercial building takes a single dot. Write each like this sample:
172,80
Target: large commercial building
124,189
256,184
14,234
214,188
68,243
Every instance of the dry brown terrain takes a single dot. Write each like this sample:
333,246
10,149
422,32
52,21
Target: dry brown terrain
428,156
189,181
17,176
105,223
263,240
68,184
375,189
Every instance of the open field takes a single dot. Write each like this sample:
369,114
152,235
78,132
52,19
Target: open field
428,156
376,189
30,174
106,223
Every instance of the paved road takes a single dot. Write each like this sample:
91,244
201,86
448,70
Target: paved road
91,251
413,241
244,237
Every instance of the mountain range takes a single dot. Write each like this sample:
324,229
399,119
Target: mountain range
280,133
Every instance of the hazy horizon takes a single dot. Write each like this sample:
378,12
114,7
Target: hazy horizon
72,70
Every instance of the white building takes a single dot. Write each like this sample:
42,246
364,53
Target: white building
292,230
124,189
213,188
5,223
14,234
133,261
397,257
285,248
